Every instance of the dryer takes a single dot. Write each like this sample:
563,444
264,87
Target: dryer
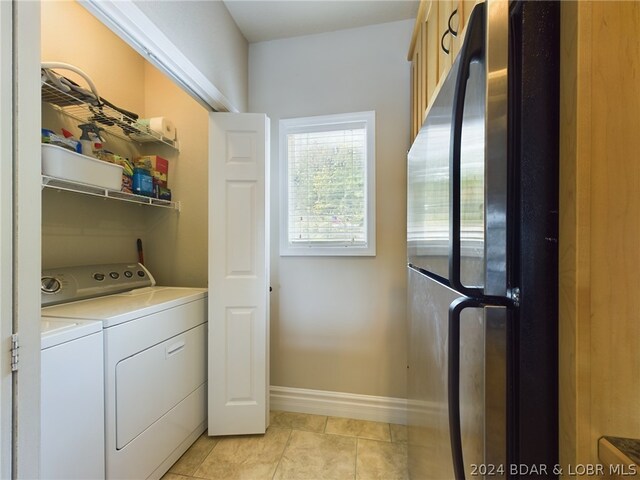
154,360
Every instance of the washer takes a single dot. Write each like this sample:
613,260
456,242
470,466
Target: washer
72,399
154,360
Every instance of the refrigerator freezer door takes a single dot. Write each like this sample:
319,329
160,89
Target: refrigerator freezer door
497,63
481,384
429,178
472,181
428,186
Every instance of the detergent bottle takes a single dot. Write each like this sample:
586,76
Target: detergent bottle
85,138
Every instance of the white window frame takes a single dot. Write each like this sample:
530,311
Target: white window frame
322,123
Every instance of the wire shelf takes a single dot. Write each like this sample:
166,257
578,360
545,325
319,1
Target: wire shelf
111,120
62,184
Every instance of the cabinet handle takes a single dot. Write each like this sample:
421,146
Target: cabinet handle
453,32
175,348
445,49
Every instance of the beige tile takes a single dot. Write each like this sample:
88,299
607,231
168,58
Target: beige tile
314,456
194,456
298,421
381,461
251,457
358,428
398,433
173,476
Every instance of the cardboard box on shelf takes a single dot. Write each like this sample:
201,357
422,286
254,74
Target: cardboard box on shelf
159,168
127,173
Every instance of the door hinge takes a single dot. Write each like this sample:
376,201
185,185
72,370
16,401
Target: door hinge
514,294
14,352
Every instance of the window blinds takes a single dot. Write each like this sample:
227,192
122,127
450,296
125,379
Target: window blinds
327,182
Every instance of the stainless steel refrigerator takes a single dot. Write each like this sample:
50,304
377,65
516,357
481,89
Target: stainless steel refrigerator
482,254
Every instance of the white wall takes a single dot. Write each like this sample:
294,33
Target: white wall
339,324
207,35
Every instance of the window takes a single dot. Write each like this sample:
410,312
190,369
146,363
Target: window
328,185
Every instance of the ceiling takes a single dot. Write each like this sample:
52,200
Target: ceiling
261,20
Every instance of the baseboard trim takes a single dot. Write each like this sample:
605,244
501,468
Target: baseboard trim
338,404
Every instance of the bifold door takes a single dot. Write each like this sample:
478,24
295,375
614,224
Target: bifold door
238,273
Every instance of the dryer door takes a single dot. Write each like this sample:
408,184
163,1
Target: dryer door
152,382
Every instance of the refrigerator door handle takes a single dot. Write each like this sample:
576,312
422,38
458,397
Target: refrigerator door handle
472,49
453,380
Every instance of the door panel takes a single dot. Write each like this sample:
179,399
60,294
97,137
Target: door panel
26,236
428,186
472,376
483,367
472,167
429,177
496,386
238,273
170,371
482,382
428,413
497,66
445,7
6,234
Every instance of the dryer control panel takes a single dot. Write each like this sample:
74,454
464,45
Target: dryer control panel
67,284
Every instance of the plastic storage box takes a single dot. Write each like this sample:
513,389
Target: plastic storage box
62,163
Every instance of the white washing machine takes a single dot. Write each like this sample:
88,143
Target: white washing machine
154,360
72,400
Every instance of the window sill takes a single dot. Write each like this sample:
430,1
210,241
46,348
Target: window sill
320,251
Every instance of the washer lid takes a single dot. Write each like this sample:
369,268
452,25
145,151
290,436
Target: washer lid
122,307
55,331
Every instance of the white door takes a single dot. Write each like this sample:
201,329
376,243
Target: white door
20,220
6,234
20,212
238,273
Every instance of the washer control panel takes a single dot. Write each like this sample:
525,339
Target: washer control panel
67,284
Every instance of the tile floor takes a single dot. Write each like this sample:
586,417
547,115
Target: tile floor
297,447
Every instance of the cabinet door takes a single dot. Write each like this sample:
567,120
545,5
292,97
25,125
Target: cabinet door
432,47
465,7
415,94
238,273
445,7
457,24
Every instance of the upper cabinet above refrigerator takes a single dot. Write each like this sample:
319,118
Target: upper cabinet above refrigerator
437,37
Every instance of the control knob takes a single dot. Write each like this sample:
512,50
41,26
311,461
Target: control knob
50,285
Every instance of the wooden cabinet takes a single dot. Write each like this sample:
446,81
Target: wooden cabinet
419,75
436,23
599,226
446,37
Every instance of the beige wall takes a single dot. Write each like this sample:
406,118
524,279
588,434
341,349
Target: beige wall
207,35
339,324
599,227
178,242
71,35
83,230
77,229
